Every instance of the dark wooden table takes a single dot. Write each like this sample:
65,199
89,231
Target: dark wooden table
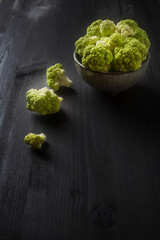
98,175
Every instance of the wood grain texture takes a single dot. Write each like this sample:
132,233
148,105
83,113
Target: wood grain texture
97,176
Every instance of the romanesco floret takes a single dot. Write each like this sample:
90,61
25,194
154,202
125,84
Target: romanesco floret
83,42
126,59
97,58
133,42
103,41
127,28
94,28
111,42
56,77
107,28
115,40
35,140
142,36
43,101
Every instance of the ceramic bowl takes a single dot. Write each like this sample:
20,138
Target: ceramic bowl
111,82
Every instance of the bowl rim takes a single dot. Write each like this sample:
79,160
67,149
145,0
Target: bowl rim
111,73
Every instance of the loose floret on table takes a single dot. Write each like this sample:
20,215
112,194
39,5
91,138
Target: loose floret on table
56,77
35,140
97,58
43,101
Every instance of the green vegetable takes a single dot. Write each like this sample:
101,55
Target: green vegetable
83,42
56,77
35,140
115,40
103,41
111,42
127,28
107,28
101,28
43,101
110,47
142,36
97,58
133,42
126,59
94,28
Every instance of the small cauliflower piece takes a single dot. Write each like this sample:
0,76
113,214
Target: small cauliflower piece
56,77
111,42
35,140
127,28
103,41
126,59
97,58
83,42
142,36
133,42
43,101
94,28
115,40
107,28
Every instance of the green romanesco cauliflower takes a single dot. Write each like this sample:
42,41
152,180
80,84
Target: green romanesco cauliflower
94,28
103,41
133,42
111,42
56,77
35,140
142,36
107,28
97,58
127,28
126,59
83,42
115,40
43,101
110,47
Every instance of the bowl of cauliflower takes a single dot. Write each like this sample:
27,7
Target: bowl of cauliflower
110,57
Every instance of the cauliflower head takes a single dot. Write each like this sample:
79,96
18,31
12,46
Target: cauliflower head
97,58
107,28
83,42
94,28
35,140
127,27
56,77
43,101
126,59
133,42
142,36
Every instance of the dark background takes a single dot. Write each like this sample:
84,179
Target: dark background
98,175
